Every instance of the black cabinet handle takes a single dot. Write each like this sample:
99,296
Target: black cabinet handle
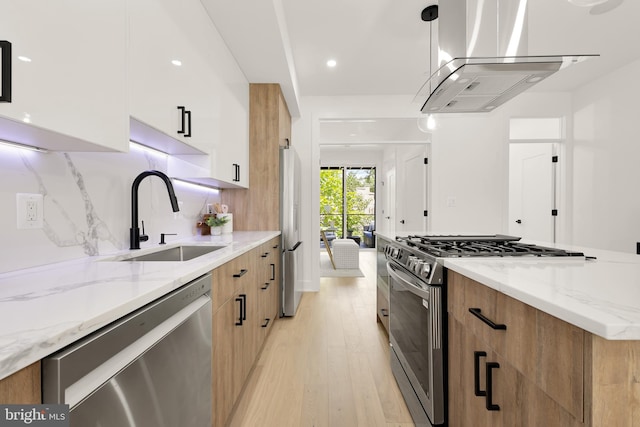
266,323
182,110
478,313
240,318
244,306
275,247
5,85
265,287
273,272
476,373
384,312
242,273
264,255
236,172
188,133
489,401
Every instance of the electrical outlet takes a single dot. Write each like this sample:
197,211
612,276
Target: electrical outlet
30,213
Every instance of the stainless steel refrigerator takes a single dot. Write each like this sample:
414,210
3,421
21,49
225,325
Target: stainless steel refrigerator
290,226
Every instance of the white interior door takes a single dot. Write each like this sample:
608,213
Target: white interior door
390,209
531,191
414,191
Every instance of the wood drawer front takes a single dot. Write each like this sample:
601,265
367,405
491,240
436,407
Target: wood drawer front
225,285
546,350
383,308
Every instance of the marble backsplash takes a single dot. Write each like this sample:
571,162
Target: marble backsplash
87,204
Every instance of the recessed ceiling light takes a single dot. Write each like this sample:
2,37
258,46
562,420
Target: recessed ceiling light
331,63
24,59
176,62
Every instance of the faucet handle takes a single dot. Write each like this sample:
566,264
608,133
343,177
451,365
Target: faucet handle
162,242
143,237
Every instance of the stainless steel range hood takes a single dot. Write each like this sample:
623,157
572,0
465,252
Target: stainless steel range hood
482,55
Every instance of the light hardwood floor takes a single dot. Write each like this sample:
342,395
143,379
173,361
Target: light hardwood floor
328,365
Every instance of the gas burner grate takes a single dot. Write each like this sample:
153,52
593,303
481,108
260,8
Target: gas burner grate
479,246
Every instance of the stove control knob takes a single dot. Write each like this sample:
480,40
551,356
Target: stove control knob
412,261
424,269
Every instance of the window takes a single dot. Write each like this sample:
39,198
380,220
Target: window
348,203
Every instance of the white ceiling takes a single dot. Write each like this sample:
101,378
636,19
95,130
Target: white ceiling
382,46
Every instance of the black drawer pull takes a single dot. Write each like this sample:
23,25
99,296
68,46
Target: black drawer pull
476,373
266,323
242,273
490,405
244,306
384,312
478,313
264,255
273,272
275,247
265,287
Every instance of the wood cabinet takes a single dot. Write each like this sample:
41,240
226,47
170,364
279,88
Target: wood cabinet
22,387
185,84
258,207
69,76
240,307
534,360
382,285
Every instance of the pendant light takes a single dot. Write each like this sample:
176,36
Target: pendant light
427,123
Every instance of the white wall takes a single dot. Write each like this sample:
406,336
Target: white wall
606,162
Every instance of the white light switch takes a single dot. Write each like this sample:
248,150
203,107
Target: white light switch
30,213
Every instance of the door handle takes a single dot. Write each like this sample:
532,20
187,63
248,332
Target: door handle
402,221
5,85
489,400
182,110
476,373
244,306
236,172
478,313
239,322
242,273
265,287
188,133
518,221
266,323
273,272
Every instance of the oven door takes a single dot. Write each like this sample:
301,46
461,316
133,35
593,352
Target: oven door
416,335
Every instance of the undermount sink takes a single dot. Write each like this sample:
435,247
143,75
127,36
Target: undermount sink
179,253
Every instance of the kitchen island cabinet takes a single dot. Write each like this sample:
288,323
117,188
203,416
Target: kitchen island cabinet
543,371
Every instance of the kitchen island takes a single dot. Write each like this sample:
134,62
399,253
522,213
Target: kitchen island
49,307
570,353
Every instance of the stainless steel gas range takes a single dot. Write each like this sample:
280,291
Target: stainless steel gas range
417,310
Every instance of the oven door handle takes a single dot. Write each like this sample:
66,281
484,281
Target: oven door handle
406,281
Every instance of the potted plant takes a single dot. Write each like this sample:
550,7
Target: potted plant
216,223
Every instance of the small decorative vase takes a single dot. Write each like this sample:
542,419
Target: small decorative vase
216,231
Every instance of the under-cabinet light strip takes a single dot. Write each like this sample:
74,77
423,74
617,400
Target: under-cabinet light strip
151,150
195,185
22,146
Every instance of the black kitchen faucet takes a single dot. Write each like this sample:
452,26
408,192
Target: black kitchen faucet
134,231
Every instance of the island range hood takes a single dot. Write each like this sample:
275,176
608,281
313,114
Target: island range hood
481,50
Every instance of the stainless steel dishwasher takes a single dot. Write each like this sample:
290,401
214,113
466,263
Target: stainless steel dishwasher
152,368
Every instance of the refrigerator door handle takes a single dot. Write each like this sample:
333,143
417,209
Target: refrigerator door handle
298,243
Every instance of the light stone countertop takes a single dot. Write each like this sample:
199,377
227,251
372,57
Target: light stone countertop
46,308
601,295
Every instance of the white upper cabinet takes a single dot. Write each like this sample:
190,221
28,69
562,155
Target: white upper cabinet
186,84
69,87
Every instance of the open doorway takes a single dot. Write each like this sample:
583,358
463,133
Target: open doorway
348,204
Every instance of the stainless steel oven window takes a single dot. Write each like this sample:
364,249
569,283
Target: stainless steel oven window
416,333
